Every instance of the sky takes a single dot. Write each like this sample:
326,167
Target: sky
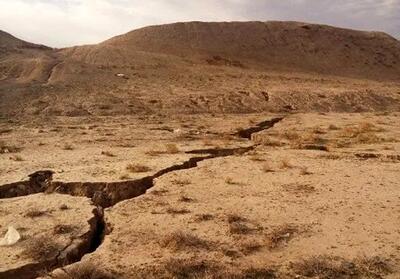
62,23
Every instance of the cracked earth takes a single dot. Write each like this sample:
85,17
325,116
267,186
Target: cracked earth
231,196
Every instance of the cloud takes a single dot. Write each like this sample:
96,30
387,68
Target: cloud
62,23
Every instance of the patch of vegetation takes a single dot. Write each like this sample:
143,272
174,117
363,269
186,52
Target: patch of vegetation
41,249
68,147
186,199
108,154
281,235
326,267
177,211
35,213
64,229
204,217
184,241
6,148
137,168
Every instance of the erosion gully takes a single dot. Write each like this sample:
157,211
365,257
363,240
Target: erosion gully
105,195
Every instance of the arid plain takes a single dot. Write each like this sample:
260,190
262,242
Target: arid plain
202,161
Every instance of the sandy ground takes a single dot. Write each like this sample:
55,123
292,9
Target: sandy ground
317,196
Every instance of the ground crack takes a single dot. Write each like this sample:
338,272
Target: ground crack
105,195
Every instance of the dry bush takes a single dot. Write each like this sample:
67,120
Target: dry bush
298,188
185,199
305,171
271,142
108,154
281,235
154,153
64,229
333,127
326,267
184,241
187,269
64,207
68,147
17,158
182,182
5,148
291,135
330,156
256,273
257,158
84,271
137,168
172,148
363,133
41,249
35,213
239,225
124,177
374,267
268,168
250,247
285,164
159,192
230,181
204,217
177,211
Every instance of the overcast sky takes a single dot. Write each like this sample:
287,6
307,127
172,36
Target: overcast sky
60,23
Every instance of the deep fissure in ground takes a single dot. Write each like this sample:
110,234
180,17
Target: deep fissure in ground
105,194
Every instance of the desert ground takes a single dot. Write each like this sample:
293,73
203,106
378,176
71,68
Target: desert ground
202,150
306,195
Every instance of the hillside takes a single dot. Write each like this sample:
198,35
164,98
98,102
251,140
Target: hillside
207,67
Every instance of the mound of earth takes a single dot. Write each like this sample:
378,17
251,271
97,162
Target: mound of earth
197,67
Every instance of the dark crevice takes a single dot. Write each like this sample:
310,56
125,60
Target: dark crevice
105,194
247,133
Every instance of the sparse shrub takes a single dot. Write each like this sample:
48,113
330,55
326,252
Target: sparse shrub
35,213
272,142
41,249
188,269
17,158
107,153
176,211
124,177
137,168
291,135
267,168
250,247
204,217
5,148
230,181
172,148
285,164
305,171
281,235
182,182
154,153
184,241
333,127
63,229
64,207
238,224
68,147
257,158
326,267
186,199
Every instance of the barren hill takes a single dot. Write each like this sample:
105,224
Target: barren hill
205,67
